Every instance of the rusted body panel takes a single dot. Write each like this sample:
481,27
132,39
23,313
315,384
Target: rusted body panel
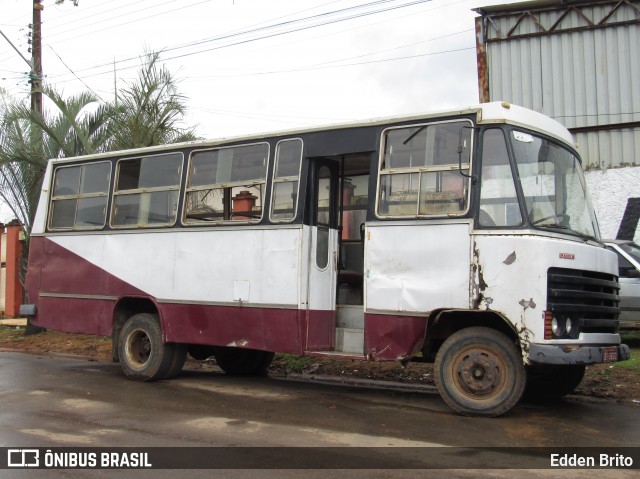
511,279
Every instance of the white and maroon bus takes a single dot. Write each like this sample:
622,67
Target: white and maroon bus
466,238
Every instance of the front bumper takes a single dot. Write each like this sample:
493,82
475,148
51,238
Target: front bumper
577,354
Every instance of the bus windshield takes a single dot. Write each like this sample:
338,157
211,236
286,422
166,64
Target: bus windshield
553,185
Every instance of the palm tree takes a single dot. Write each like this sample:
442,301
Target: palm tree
78,126
149,111
20,165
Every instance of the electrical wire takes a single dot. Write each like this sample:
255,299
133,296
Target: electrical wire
271,29
74,74
253,39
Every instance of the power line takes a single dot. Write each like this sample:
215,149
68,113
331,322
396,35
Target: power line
146,17
249,30
265,34
74,74
273,28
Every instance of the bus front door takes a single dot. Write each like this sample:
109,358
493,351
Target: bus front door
323,252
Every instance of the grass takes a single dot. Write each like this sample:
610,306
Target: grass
632,339
294,363
11,333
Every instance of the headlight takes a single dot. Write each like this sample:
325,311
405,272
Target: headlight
571,327
557,327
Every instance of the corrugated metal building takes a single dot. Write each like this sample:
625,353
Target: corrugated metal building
576,61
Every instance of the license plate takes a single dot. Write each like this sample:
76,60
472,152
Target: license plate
610,355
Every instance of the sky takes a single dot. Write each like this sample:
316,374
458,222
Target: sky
248,66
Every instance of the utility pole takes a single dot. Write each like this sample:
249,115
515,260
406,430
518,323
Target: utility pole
36,58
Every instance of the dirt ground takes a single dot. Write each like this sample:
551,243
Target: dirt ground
619,382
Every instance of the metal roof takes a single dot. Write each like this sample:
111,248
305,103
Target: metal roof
575,61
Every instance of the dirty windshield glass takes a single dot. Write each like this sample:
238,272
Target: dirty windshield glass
553,185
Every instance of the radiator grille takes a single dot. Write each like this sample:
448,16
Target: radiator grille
591,298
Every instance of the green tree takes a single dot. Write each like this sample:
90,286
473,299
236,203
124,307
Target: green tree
149,111
74,126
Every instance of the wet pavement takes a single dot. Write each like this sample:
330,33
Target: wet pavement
53,401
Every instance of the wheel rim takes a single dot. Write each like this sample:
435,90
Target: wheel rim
138,348
478,373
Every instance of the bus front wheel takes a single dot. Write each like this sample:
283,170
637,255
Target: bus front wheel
479,372
143,354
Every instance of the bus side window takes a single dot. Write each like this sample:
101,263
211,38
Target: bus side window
226,184
79,199
147,189
286,180
420,172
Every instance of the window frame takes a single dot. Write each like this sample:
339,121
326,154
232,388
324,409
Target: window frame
229,184
421,170
284,179
78,197
140,191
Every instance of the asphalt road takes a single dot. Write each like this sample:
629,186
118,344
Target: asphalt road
53,401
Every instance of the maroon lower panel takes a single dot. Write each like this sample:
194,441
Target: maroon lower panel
321,331
269,329
36,254
75,315
387,337
392,338
53,270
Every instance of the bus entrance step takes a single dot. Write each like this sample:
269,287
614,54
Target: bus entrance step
350,340
350,316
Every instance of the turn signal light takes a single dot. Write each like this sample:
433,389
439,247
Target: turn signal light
548,331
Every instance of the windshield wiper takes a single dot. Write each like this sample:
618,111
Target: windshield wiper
574,232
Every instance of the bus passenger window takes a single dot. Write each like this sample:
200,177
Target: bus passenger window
424,170
79,199
226,184
443,193
147,189
286,179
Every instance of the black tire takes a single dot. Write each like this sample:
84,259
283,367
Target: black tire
479,372
177,361
143,355
243,362
264,363
552,381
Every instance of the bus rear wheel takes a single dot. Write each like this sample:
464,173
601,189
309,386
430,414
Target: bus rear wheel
143,354
177,361
243,362
479,372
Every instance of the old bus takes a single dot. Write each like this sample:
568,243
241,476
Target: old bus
464,238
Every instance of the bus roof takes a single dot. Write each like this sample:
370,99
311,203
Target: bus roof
494,112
